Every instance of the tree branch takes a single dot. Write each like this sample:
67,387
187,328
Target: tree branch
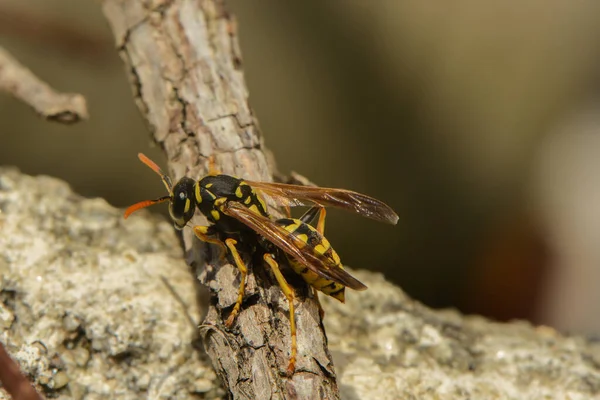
185,68
20,82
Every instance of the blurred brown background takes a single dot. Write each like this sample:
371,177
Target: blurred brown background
477,122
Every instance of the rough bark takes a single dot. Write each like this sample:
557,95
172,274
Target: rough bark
185,68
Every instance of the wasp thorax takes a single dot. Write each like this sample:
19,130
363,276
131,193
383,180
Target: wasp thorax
182,205
213,187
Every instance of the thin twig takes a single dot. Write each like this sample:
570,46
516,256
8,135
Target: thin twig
20,82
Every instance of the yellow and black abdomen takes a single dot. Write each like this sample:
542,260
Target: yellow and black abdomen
319,246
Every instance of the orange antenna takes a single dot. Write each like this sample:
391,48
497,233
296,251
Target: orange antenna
143,204
213,170
146,203
165,179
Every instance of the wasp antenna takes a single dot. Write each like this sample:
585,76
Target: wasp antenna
143,204
166,180
213,170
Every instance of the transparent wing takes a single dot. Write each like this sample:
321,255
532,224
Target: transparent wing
298,195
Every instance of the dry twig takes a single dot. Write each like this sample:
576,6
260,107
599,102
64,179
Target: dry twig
20,82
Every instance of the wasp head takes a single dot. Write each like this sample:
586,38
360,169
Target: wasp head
180,198
182,204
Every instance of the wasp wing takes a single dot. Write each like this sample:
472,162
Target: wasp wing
322,266
298,195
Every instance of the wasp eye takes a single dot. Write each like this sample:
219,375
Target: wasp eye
182,195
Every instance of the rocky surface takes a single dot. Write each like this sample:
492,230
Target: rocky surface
96,307
387,346
93,307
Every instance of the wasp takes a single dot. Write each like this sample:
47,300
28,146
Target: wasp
239,219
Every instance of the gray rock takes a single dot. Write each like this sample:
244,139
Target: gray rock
387,346
97,307
93,307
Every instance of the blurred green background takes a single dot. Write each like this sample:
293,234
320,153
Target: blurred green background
443,110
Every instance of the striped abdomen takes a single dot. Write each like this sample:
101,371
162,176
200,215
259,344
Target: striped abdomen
320,246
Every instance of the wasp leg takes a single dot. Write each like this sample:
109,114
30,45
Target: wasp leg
212,166
307,218
315,212
289,294
239,263
205,234
321,221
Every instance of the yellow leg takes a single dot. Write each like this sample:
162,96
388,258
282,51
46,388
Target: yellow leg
212,166
310,215
307,218
204,233
239,263
321,221
289,294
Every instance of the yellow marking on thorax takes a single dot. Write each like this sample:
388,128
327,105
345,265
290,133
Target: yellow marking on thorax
238,191
248,200
215,214
260,200
209,185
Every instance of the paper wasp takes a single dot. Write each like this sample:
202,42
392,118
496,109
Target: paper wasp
238,215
